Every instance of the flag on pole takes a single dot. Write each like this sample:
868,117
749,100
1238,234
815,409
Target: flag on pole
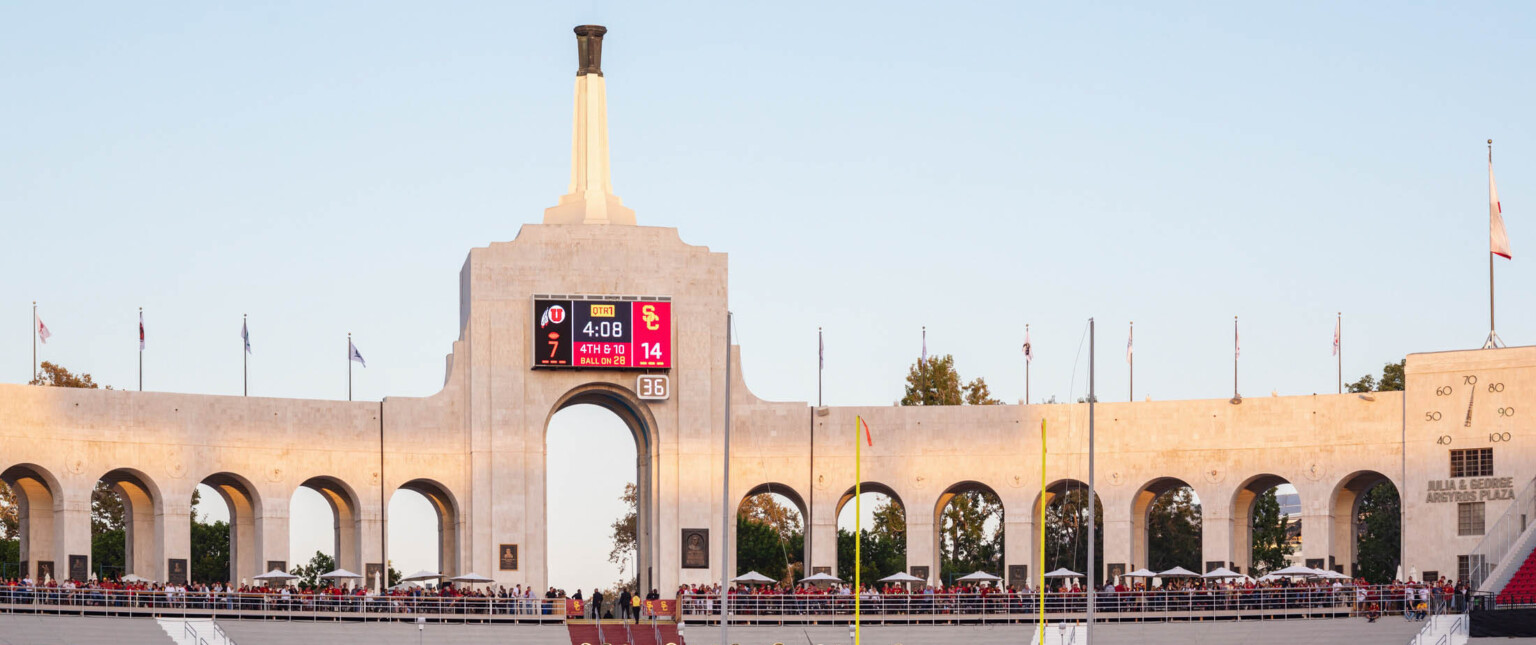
1336,337
867,438
1237,345
354,355
42,330
141,331
821,351
924,359
245,333
1029,350
1498,240
1129,351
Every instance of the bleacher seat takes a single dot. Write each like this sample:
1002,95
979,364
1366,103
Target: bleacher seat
1521,588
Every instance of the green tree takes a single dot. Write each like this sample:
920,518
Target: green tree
10,532
761,548
624,536
881,555
936,382
971,535
890,519
1391,380
766,509
309,574
1270,547
1173,531
210,552
1066,532
1379,517
56,376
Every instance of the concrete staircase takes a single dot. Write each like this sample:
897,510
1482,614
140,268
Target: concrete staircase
1349,631
21,629
194,631
585,632
350,633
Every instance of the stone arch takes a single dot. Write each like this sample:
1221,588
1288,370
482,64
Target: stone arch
1243,500
245,506
1141,508
637,416
847,497
1053,558
347,545
1344,508
795,499
449,523
143,523
943,501
38,499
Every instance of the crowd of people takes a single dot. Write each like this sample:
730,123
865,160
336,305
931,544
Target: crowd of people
1411,598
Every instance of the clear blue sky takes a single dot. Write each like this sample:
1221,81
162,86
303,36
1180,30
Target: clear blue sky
869,168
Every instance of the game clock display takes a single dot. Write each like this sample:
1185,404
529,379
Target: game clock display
602,334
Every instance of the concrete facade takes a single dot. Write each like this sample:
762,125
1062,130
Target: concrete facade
476,449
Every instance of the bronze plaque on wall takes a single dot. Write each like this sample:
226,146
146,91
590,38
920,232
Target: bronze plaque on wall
921,572
1115,570
1314,563
79,567
507,556
826,570
1018,574
44,570
373,574
277,565
176,571
695,548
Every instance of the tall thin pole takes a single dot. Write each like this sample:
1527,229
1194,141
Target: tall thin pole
34,340
1028,358
821,363
725,496
1236,351
1040,563
1092,537
349,366
1493,336
1339,348
1130,357
141,349
245,356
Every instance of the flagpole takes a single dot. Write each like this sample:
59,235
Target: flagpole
34,340
858,529
1027,361
1235,352
349,366
1339,324
1130,357
245,356
1493,336
1040,564
725,496
141,349
1092,564
821,363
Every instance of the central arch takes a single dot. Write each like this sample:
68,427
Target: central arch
1142,506
842,565
1243,502
635,415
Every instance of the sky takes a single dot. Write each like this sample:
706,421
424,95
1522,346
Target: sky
871,169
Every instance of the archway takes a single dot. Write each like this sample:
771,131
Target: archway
1264,537
884,538
1367,527
627,523
968,531
1166,523
307,514
126,527
770,533
1066,530
424,529
34,490
224,542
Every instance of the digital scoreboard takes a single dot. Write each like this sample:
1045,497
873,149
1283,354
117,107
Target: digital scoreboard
602,334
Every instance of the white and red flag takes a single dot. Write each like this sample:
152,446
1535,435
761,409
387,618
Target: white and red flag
42,330
867,437
1029,350
141,331
1498,240
1336,324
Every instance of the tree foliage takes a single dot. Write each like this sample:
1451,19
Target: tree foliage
1391,380
1380,515
1066,532
1173,531
309,574
883,544
210,552
936,382
57,376
971,535
625,539
1270,546
770,538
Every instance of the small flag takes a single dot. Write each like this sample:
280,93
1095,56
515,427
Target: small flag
353,354
1129,351
1029,350
1336,338
1237,346
42,330
1498,240
821,351
141,331
867,438
924,359
245,333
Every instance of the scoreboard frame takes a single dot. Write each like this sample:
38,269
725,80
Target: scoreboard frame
601,332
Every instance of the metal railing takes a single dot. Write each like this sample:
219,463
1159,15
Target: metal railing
241,606
1499,540
1130,606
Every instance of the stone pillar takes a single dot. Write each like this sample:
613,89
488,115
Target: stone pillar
72,530
173,541
1122,544
371,535
823,535
1240,532
244,548
1018,545
922,541
1216,536
1316,538
272,533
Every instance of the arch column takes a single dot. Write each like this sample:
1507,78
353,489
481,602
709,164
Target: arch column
271,535
72,529
1120,544
1216,535
1316,536
1018,535
173,537
821,534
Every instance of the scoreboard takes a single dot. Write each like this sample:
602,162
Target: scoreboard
603,334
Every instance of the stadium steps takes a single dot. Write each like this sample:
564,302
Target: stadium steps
1521,588
203,629
585,632
252,632
24,629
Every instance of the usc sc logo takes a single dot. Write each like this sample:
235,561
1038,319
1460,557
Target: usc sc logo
648,315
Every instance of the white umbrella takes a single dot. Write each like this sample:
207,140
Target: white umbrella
471,578
419,575
1221,572
1063,573
340,574
1178,572
821,577
276,574
753,578
132,578
902,576
1334,575
1141,573
1297,570
979,576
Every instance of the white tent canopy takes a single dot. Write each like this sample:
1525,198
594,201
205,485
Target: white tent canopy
1141,573
901,576
1221,572
1063,573
340,574
132,578
471,578
821,577
979,576
1297,570
419,575
276,574
1178,572
753,578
